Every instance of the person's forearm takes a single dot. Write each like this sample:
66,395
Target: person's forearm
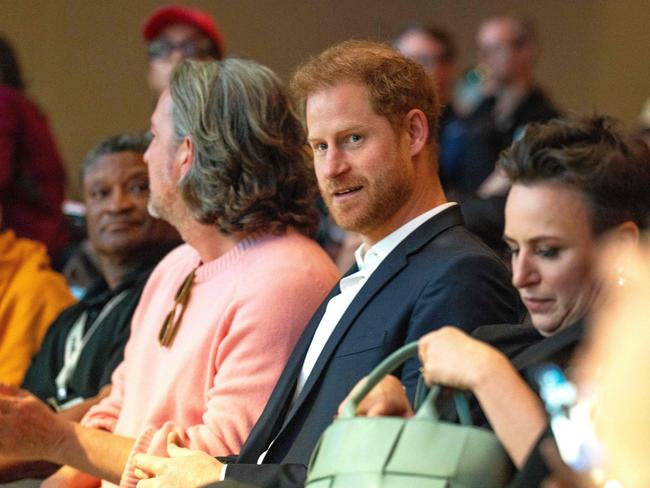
513,410
18,470
96,452
68,477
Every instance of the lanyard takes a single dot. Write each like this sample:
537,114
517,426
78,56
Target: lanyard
77,340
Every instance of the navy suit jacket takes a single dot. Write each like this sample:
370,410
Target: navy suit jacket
439,275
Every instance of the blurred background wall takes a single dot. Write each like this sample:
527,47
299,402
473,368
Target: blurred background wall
85,61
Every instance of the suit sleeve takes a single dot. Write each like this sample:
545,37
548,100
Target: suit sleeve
474,289
266,475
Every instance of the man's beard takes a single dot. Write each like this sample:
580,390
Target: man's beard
383,198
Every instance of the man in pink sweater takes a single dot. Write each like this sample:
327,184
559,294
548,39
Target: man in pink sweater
219,315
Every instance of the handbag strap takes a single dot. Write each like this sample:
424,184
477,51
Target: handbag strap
460,401
391,363
421,391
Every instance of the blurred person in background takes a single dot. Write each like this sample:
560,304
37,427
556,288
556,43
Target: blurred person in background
174,33
618,357
435,50
32,177
507,51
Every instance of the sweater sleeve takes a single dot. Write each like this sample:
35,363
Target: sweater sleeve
263,326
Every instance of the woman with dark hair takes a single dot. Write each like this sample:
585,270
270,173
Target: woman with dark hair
32,178
575,184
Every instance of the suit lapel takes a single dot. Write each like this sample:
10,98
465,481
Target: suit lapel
387,270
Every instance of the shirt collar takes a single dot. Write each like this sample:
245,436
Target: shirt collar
369,260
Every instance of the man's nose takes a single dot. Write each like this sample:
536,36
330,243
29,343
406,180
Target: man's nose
120,200
336,162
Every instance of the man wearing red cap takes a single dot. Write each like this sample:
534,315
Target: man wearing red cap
175,33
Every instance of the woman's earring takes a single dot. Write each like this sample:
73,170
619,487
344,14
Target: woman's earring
620,280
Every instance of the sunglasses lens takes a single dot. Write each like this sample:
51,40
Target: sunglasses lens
195,48
160,49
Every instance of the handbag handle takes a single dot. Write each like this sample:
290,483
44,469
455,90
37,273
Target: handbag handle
390,364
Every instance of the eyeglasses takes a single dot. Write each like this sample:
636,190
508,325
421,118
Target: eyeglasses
193,48
175,315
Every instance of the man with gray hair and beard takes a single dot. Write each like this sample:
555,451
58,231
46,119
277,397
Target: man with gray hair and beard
219,315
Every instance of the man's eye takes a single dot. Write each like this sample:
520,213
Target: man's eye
354,138
99,193
139,188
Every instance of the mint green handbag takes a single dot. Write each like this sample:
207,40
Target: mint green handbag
420,452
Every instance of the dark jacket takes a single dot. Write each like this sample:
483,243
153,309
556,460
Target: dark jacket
104,350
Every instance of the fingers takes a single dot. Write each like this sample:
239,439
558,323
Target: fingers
175,438
149,464
364,405
387,407
140,474
387,398
174,451
423,345
356,388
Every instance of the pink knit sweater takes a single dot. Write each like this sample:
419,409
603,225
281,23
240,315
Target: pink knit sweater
245,313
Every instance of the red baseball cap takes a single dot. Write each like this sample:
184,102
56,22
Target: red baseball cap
179,14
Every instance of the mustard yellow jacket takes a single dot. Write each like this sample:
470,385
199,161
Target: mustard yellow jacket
31,297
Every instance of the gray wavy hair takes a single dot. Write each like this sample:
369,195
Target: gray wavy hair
250,171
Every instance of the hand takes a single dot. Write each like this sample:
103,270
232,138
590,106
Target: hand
452,358
387,398
29,430
184,468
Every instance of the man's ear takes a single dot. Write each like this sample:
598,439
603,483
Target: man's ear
417,128
185,155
